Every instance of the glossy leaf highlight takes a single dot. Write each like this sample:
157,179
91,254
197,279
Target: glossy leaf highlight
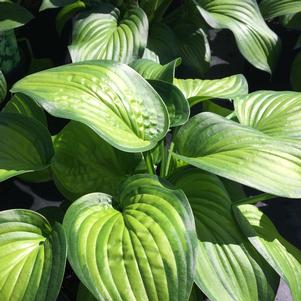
104,34
110,98
139,245
280,254
32,256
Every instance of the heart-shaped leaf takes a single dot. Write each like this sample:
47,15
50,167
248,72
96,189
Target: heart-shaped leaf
280,254
32,256
151,70
241,154
13,15
228,267
93,165
197,90
25,145
275,8
257,43
111,98
3,87
22,104
104,34
177,105
139,245
274,113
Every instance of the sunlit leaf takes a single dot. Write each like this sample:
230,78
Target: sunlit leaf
197,90
32,256
241,153
139,245
255,40
280,254
104,34
111,98
228,267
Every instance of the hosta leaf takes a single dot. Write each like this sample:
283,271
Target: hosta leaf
111,98
93,165
196,294
25,145
194,48
104,34
177,105
241,154
162,42
13,15
46,4
276,114
228,266
151,70
83,294
257,43
32,256
3,87
197,90
154,7
22,104
139,245
280,254
9,51
275,8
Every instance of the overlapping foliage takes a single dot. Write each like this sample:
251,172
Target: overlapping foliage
151,161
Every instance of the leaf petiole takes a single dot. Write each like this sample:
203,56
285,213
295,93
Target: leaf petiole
255,199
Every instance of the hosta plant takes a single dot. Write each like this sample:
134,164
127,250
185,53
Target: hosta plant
153,158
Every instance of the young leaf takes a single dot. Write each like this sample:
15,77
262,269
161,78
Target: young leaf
280,254
274,113
13,15
151,70
93,165
197,90
25,145
103,34
32,256
228,267
22,104
144,250
177,105
257,43
110,98
275,8
3,87
241,154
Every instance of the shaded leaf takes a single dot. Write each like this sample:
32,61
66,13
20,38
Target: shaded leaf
176,103
32,255
111,98
103,34
280,254
93,165
13,15
24,105
154,241
46,4
25,145
3,87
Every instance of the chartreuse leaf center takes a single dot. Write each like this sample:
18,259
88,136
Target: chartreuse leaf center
141,248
